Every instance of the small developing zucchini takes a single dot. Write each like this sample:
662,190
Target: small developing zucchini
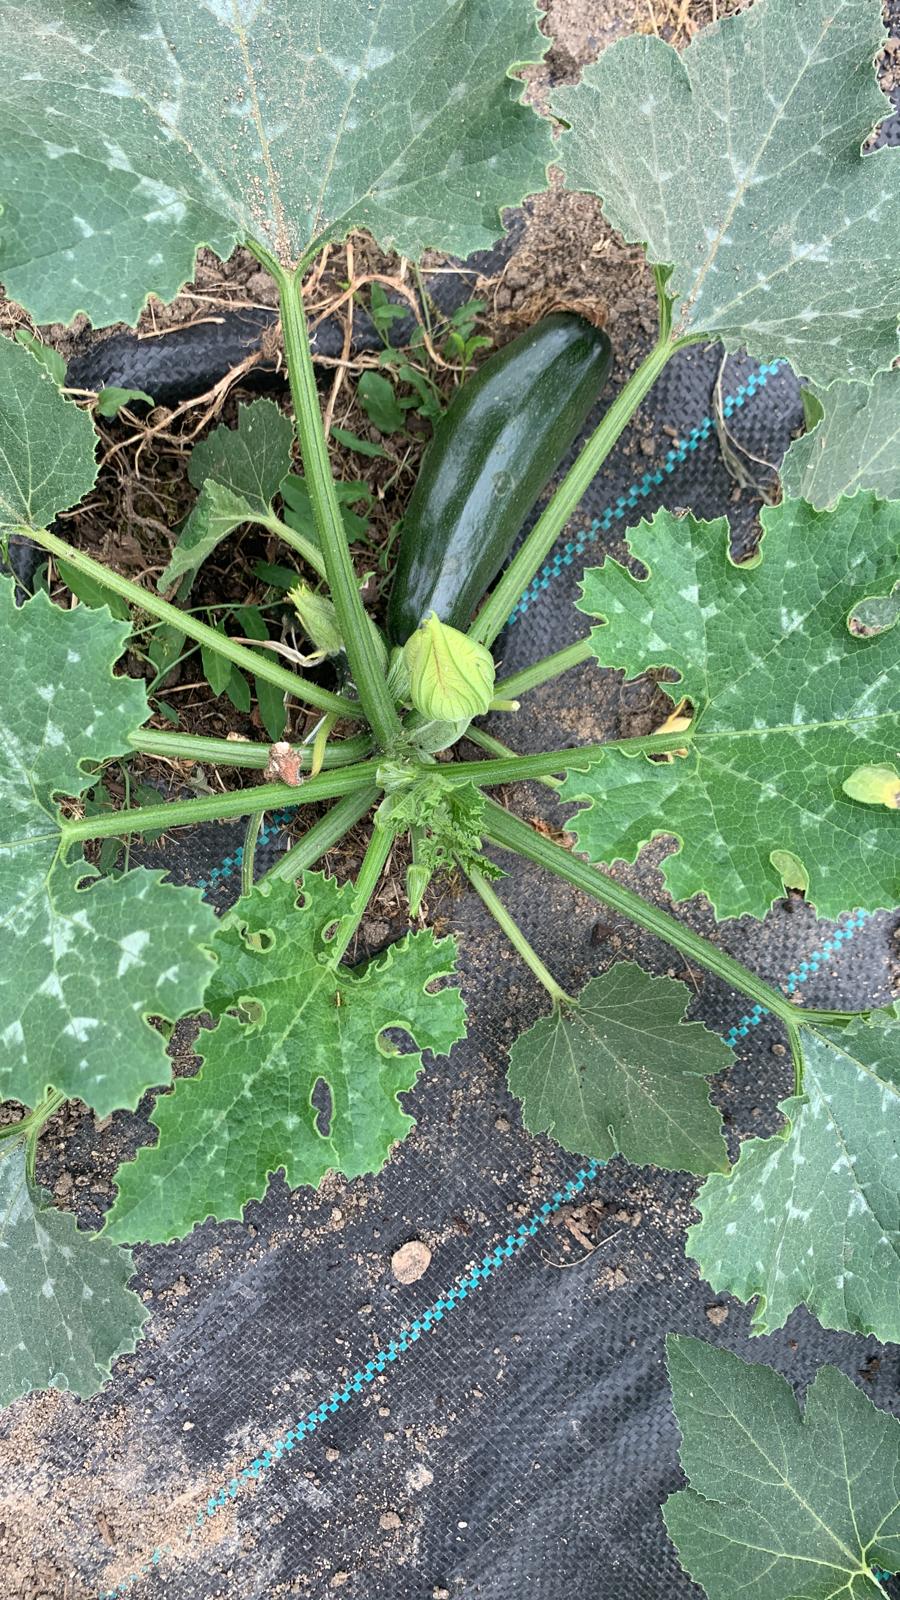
496,446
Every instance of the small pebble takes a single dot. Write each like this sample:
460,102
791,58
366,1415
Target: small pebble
389,1521
410,1261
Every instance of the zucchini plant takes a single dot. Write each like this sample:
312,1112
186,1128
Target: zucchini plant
767,228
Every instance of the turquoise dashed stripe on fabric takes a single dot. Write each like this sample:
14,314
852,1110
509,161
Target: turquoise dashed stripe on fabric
567,553
806,969
434,1315
515,1242
565,556
233,863
359,1381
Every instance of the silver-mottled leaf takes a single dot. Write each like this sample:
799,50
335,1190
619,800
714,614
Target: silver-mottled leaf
292,1022
65,1311
788,701
132,133
741,168
855,444
46,444
812,1216
81,969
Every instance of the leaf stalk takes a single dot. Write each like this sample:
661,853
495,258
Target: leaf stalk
373,864
545,670
240,752
517,939
325,833
494,747
359,642
185,622
218,807
304,547
515,768
512,834
248,859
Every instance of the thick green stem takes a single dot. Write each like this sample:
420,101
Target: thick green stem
373,863
359,641
661,276
304,547
250,660
513,769
517,938
495,613
512,834
543,671
216,807
486,741
328,831
34,1120
240,752
254,823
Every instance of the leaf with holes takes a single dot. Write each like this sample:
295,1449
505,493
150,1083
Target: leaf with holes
129,135
744,174
788,702
622,1072
81,968
782,1504
65,1311
855,444
299,1073
238,472
46,444
812,1216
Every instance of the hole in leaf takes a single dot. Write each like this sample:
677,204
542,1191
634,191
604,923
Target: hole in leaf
395,1040
330,929
876,614
793,874
323,1104
249,1012
258,938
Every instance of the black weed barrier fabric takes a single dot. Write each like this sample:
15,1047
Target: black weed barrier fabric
520,1443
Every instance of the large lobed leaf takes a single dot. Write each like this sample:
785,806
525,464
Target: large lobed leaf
812,1216
741,168
46,444
782,1504
788,704
65,1311
132,133
855,444
81,969
620,1071
238,472
298,1073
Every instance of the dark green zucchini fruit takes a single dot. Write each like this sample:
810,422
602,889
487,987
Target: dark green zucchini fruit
496,446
